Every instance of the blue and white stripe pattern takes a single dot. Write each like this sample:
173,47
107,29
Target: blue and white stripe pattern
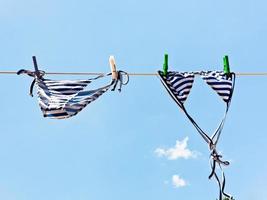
62,99
180,84
220,82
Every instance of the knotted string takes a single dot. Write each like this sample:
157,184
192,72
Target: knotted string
120,80
31,74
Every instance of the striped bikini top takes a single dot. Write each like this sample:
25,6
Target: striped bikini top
179,85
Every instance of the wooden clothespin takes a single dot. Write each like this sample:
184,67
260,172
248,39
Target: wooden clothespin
112,65
165,65
226,66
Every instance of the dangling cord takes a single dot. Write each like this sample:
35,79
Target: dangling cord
120,80
219,183
199,130
215,137
215,159
31,74
223,186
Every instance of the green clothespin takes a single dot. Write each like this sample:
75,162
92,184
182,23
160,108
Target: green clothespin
165,65
226,67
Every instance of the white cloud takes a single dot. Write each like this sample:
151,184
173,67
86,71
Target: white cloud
180,150
178,182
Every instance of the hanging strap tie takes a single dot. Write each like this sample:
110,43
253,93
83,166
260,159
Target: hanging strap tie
31,74
120,80
222,194
215,159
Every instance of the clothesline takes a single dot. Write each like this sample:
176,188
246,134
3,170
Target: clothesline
61,99
131,74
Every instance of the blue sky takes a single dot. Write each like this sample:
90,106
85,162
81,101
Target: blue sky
108,150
